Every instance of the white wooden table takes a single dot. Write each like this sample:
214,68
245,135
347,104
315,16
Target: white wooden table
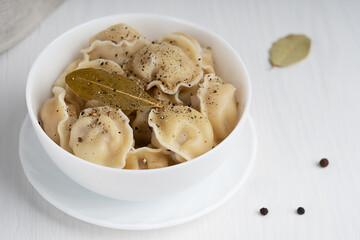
302,113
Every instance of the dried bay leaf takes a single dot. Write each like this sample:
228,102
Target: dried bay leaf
289,50
112,89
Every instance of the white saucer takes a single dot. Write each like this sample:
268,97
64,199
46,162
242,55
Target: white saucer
88,206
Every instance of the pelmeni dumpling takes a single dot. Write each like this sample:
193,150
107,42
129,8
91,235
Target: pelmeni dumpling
96,103
207,60
104,64
57,118
117,43
102,135
167,65
182,130
148,158
183,40
217,101
60,81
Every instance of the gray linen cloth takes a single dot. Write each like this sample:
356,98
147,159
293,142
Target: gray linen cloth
19,17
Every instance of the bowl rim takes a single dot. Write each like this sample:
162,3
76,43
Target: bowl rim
38,128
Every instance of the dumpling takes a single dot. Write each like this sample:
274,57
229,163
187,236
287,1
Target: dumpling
116,34
207,60
60,81
148,158
102,135
172,62
117,43
217,101
182,130
104,64
57,118
183,40
141,128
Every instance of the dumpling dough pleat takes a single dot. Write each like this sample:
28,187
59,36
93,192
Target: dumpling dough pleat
57,118
117,43
148,158
102,135
217,101
163,98
182,130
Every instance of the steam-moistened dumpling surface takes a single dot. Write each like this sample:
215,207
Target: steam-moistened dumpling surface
117,43
167,66
218,103
57,118
181,129
102,135
148,158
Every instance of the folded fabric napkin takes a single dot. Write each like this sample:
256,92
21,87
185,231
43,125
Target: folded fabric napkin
19,17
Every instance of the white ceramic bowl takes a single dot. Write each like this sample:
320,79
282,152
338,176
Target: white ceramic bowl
134,185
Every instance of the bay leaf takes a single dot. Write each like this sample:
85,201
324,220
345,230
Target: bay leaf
289,50
111,89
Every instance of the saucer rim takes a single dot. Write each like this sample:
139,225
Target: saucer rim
159,225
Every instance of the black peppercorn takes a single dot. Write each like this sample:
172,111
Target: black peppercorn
324,162
264,211
300,210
